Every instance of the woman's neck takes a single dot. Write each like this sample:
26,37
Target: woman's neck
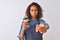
33,19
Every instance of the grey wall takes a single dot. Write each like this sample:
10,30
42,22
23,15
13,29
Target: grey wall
12,12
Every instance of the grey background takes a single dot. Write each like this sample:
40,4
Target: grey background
12,12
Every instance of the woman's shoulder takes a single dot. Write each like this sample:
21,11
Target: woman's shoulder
42,21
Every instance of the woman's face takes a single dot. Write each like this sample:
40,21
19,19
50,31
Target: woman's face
34,11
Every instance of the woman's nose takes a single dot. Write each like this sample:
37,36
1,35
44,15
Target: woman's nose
34,11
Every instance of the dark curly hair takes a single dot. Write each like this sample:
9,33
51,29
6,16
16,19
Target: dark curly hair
39,16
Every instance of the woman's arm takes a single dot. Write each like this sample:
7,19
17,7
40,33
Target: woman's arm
23,27
47,26
22,34
42,27
44,22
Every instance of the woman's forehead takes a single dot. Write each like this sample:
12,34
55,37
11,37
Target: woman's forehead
33,7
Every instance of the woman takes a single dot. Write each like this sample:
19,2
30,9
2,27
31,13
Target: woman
35,27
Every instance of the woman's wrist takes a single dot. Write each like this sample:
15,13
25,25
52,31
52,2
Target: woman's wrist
22,31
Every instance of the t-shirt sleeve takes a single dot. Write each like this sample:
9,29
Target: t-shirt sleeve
20,28
44,22
20,31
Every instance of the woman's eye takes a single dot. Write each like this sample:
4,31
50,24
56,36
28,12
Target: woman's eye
34,10
31,10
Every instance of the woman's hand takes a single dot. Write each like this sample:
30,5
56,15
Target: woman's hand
25,25
41,28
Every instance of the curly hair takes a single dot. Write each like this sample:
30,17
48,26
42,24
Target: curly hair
39,15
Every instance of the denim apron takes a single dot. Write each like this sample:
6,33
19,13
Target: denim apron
30,33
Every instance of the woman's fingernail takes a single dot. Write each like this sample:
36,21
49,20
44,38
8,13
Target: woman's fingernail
40,32
36,30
